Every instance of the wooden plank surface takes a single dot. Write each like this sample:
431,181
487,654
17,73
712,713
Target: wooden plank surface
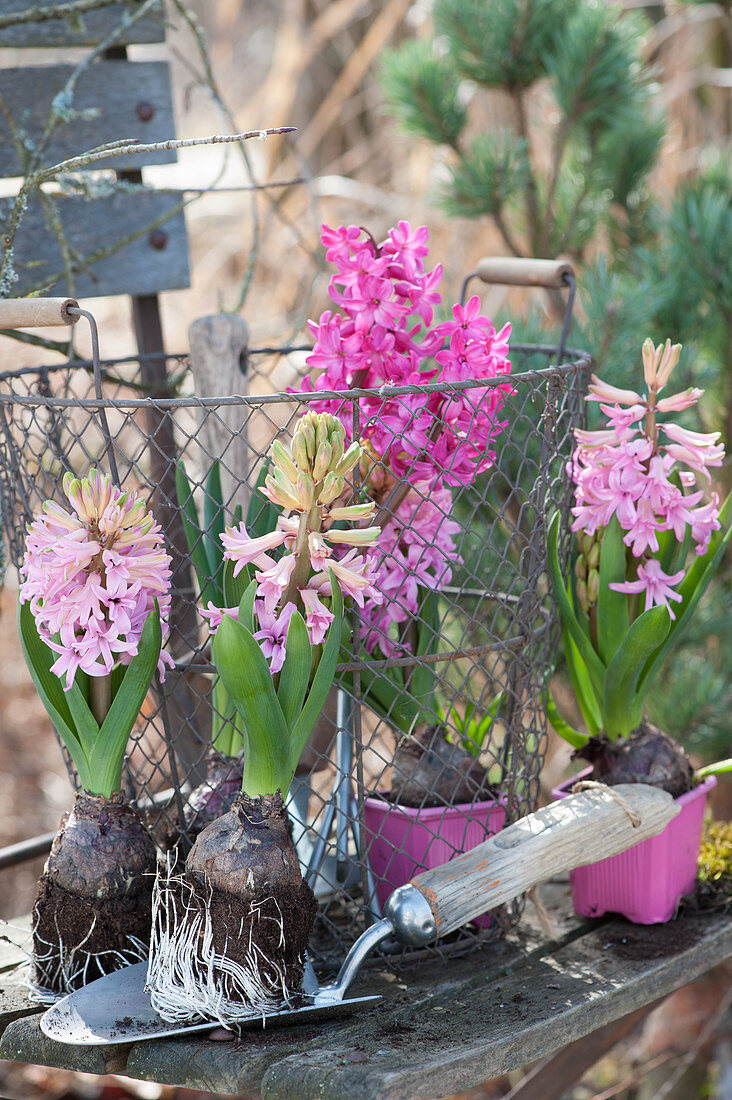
14,947
86,28
441,1026
91,225
123,99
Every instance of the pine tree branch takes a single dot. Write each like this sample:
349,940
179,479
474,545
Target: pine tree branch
560,147
532,194
505,232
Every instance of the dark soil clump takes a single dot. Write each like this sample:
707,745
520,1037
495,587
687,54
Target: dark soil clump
277,929
100,929
647,756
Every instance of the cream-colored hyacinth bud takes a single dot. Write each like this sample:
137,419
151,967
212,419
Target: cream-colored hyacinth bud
359,536
353,511
582,596
322,431
281,491
299,449
283,460
323,460
593,557
580,568
593,586
333,486
305,491
337,444
306,429
349,460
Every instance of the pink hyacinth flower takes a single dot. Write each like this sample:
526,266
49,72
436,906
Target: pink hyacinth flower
272,633
243,550
92,577
272,582
657,585
317,616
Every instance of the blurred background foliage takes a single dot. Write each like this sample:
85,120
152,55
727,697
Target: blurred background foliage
576,166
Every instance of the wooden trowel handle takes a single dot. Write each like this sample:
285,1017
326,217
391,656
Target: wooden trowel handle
573,832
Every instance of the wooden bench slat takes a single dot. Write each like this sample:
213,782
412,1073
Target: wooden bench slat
442,1026
114,89
93,224
85,29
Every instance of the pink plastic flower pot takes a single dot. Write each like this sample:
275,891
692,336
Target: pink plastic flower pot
403,841
646,882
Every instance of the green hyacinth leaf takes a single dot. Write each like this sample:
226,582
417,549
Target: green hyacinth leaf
246,608
595,666
214,524
721,767
234,586
243,668
295,672
421,682
107,756
322,680
612,607
194,534
572,736
587,697
39,658
623,700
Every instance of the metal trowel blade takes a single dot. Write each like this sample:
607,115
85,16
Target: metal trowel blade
117,1009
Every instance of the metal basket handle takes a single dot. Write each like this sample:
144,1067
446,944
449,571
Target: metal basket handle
517,271
527,271
46,312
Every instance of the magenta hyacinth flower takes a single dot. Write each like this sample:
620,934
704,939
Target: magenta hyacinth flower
92,576
384,336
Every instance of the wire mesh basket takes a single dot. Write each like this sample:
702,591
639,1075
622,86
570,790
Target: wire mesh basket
482,600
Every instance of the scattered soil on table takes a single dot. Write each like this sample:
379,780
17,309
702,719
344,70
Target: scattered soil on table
653,941
398,1031
102,925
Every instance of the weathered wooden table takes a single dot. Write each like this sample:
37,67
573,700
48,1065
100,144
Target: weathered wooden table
441,1027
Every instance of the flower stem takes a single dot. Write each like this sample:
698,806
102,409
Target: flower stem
309,521
100,696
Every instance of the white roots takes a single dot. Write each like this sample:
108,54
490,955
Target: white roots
187,979
57,969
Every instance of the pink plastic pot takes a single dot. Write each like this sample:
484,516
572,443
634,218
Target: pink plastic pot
646,882
403,841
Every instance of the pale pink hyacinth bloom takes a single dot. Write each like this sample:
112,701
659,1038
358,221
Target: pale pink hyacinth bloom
657,585
317,616
92,577
272,633
632,470
308,480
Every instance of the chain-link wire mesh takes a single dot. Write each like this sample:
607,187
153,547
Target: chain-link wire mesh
462,644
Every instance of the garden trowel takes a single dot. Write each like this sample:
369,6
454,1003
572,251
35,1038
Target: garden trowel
581,829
